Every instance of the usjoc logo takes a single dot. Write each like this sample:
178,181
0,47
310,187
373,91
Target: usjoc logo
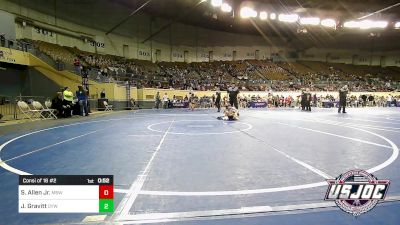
356,191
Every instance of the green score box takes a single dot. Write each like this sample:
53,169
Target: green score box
106,205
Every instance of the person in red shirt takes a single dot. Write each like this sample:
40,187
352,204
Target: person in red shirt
288,101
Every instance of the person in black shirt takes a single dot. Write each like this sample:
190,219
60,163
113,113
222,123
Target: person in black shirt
3,40
364,98
103,94
315,100
308,101
371,100
343,98
233,92
57,104
218,100
303,100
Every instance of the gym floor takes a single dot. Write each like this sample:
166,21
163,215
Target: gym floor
184,167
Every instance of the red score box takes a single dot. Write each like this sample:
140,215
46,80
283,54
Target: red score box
106,191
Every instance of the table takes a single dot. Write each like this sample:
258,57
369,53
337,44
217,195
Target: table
180,105
258,104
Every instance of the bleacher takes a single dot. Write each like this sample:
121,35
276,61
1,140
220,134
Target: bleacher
56,52
248,74
270,70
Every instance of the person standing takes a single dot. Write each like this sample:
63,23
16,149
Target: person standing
343,98
82,98
389,100
364,98
233,92
165,101
315,100
218,100
158,100
308,101
276,101
371,101
3,40
87,101
303,100
192,101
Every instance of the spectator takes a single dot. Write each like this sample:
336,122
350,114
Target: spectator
3,40
57,104
165,101
82,99
389,101
67,102
77,65
158,100
103,94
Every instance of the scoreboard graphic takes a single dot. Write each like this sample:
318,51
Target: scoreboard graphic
66,194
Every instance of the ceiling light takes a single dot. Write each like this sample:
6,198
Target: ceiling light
216,3
379,24
225,7
328,22
397,25
290,18
366,24
351,24
247,12
272,16
310,21
263,15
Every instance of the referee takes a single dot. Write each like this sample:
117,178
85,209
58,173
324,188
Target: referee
233,92
343,98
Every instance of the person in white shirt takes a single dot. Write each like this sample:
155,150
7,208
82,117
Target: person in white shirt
165,101
389,100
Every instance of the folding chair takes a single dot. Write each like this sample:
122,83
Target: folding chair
45,113
107,106
47,105
28,112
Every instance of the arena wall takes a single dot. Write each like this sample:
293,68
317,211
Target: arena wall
352,57
173,42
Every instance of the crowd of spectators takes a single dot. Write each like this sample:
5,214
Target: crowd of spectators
251,75
325,101
291,101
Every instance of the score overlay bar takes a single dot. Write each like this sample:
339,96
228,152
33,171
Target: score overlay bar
66,194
